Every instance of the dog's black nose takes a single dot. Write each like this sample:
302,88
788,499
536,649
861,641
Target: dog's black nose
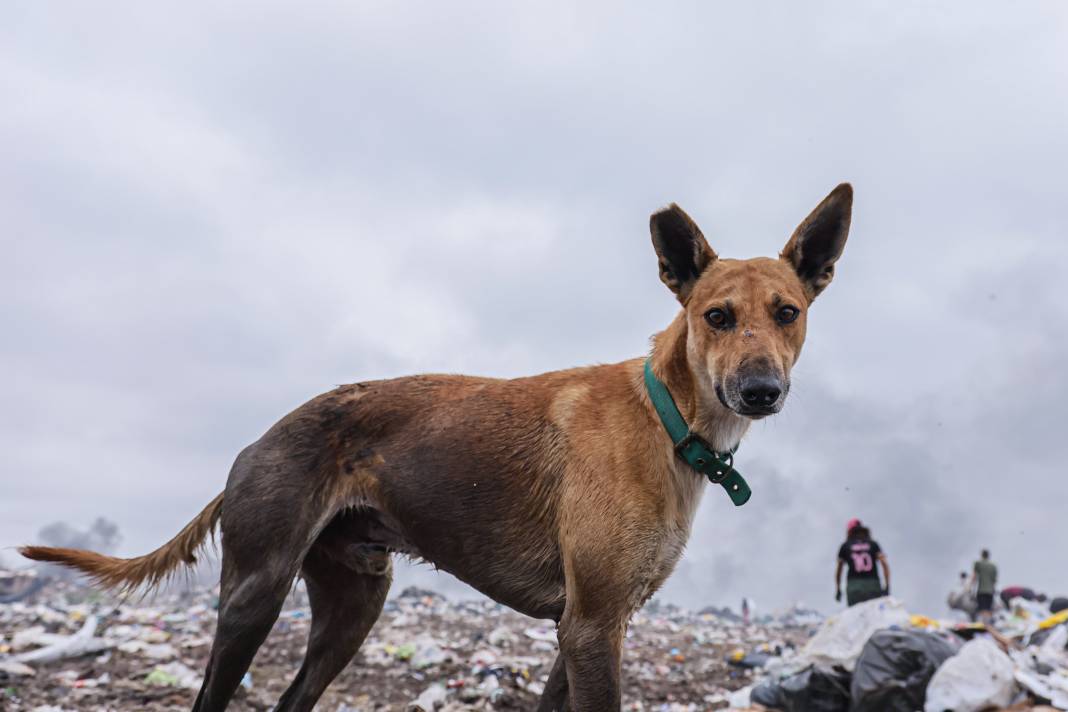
761,392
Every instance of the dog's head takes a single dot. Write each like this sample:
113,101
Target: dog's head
746,318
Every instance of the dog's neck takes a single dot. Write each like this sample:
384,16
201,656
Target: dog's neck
721,427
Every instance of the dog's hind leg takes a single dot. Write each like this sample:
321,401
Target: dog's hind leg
269,523
555,698
345,604
248,606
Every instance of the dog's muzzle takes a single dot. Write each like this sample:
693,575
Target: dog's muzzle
754,395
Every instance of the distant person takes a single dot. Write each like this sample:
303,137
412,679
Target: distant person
859,554
985,580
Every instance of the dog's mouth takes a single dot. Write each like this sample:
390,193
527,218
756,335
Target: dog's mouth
757,413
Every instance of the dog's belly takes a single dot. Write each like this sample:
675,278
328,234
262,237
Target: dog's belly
363,538
471,528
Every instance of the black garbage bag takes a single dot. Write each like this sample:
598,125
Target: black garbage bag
893,670
814,689
1058,604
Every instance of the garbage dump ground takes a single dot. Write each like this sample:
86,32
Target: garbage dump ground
67,647
70,648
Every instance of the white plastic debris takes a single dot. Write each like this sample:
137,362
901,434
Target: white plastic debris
841,637
16,669
81,643
156,651
1052,651
35,636
978,677
402,620
1043,687
429,700
544,634
502,637
740,699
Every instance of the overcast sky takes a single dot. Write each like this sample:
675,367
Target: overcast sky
210,216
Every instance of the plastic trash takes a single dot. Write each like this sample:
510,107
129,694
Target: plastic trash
756,659
547,635
893,670
1050,652
978,677
1052,688
1058,604
740,699
1054,620
502,637
840,639
814,689
157,651
429,700
16,669
428,653
173,674
494,658
84,642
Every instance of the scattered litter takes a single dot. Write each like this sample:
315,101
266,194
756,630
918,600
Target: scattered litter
978,677
841,638
156,651
814,689
430,699
755,659
427,654
73,648
84,642
502,637
16,669
150,654
547,635
894,668
174,675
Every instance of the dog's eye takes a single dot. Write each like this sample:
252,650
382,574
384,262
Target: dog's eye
787,314
718,318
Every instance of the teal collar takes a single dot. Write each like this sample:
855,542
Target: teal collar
716,466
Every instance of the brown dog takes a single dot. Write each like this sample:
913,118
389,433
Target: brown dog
560,495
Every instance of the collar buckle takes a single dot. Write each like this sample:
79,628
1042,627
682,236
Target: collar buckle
714,465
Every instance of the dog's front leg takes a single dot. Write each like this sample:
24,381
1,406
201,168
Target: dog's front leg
592,648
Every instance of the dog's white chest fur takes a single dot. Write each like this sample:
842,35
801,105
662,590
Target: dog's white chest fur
688,486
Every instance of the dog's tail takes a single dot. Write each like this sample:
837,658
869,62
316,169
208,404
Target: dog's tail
129,574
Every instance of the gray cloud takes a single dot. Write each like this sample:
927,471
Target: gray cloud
211,217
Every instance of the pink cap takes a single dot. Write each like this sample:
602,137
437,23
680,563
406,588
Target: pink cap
852,524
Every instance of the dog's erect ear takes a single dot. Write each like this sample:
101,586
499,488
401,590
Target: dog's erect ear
682,249
818,241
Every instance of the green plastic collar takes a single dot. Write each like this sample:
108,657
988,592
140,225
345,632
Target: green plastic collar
691,447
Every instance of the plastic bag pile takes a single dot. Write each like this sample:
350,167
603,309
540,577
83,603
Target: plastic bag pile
875,657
